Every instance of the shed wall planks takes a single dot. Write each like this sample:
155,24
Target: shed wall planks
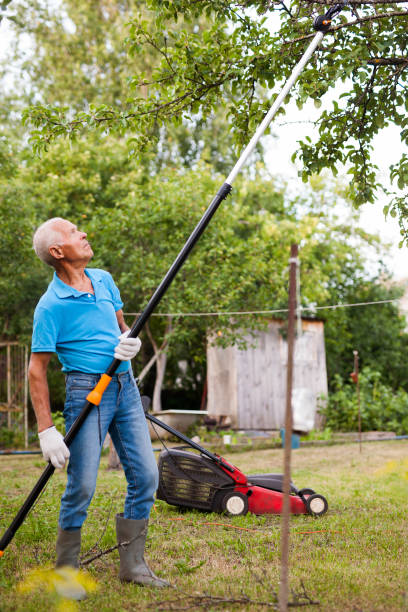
249,385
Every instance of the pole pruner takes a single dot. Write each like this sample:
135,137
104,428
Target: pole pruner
321,25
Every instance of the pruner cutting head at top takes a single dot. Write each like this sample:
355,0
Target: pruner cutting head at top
322,23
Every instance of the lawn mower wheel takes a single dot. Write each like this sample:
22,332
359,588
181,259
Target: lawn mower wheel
316,504
234,503
306,492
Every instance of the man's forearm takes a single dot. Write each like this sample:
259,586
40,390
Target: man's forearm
52,443
121,321
40,398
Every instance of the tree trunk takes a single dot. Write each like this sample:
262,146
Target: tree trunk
113,459
161,363
160,354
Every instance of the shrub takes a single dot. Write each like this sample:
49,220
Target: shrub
382,409
59,421
11,438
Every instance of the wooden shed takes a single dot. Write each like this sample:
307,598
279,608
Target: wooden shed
248,387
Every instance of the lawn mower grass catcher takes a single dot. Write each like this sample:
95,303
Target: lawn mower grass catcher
208,482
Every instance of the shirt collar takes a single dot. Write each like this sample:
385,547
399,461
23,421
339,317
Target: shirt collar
63,290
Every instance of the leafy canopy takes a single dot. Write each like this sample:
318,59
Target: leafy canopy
72,54
182,69
233,53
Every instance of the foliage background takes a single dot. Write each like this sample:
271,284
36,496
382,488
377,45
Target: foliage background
87,71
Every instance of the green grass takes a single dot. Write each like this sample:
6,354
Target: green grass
352,559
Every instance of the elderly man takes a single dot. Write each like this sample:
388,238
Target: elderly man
80,318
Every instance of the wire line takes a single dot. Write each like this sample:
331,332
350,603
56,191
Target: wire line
260,312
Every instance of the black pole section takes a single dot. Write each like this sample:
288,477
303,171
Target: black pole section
223,192
135,330
181,436
25,508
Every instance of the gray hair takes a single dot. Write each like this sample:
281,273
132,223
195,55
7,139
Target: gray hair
44,237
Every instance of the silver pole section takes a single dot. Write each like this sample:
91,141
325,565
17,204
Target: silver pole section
275,107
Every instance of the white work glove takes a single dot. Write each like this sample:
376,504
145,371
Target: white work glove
53,447
127,347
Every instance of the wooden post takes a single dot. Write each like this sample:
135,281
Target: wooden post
284,579
26,397
8,366
355,353
113,459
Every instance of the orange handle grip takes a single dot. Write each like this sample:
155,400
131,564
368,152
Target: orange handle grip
95,396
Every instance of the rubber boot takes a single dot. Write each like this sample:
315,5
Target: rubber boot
68,548
133,567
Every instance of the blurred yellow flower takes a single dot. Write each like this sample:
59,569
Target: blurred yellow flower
395,467
67,583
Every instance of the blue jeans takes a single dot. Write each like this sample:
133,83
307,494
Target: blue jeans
120,413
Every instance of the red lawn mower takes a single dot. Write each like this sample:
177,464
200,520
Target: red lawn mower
210,483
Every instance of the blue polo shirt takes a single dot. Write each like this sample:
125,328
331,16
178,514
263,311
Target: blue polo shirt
80,327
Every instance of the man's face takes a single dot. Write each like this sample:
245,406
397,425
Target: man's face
74,246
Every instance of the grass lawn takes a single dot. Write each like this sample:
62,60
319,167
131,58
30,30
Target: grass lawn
352,559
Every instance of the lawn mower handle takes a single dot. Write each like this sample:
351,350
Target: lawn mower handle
190,442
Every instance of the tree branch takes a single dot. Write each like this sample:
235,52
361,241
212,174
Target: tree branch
157,350
388,61
354,2
186,601
190,96
351,23
105,552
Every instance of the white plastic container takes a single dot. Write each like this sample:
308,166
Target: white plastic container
304,409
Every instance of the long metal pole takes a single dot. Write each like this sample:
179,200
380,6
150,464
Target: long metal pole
275,107
284,580
95,396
